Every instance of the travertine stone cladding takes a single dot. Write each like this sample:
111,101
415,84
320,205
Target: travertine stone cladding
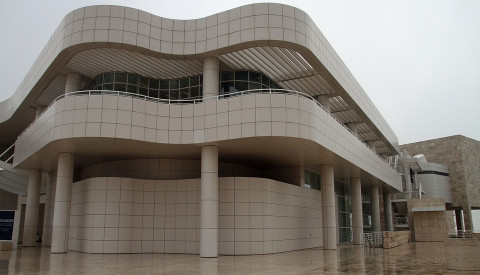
462,156
394,239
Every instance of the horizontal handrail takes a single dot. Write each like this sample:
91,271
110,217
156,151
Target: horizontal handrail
204,99
460,234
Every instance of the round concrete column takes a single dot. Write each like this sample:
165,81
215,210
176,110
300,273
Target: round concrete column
375,208
73,82
210,77
31,209
357,219
387,201
209,202
328,209
63,195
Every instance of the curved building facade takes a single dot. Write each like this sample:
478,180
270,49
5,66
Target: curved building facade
239,133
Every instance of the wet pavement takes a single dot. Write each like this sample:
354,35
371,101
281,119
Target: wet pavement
413,258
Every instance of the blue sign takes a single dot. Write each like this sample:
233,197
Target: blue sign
6,225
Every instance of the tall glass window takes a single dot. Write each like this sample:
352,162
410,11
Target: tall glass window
344,208
312,180
366,210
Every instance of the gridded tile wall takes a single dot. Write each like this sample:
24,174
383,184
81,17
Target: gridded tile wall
262,216
430,226
256,115
256,216
123,215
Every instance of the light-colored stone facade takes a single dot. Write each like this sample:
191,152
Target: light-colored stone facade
462,156
429,219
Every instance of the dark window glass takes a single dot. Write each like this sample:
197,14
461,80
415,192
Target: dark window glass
265,80
184,82
201,79
255,77
108,86
173,84
227,87
99,79
99,87
173,94
241,75
142,91
253,85
241,85
153,93
184,93
132,79
120,87
194,81
227,76
108,78
132,89
143,82
153,84
164,84
121,77
194,92
164,94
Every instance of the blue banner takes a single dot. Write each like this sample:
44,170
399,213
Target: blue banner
6,225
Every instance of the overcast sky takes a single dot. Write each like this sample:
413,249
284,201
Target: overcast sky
419,61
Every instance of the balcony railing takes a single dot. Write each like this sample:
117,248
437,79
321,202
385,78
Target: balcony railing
199,100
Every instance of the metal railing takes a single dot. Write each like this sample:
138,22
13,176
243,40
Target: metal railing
460,234
7,155
200,100
373,239
417,194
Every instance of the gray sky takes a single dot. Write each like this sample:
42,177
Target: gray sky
419,61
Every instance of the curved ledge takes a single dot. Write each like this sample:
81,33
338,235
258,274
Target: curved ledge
272,25
248,116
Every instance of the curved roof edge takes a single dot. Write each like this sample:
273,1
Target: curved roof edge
133,29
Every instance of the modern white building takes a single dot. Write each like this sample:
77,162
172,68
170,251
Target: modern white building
239,133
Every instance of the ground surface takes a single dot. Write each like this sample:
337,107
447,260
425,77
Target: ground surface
413,258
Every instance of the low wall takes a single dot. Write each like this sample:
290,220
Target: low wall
256,216
397,238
